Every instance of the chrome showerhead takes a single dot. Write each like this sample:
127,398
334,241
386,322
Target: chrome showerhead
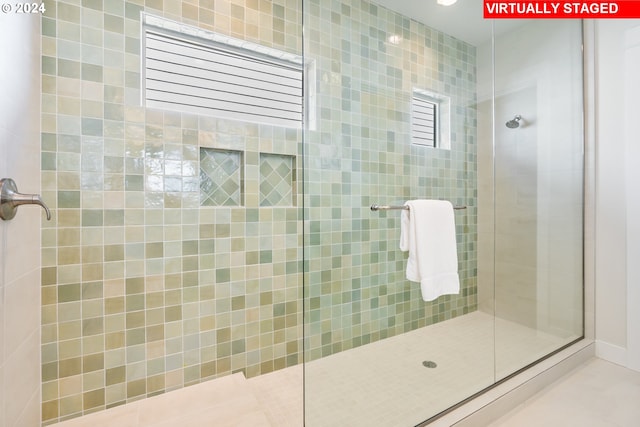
515,122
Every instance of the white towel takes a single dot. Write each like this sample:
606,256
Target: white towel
428,232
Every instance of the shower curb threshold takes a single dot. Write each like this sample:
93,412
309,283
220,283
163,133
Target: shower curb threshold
514,392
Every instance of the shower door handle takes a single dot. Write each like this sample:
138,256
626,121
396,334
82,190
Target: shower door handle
10,199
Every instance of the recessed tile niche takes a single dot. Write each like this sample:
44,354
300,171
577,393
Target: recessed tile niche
221,177
277,180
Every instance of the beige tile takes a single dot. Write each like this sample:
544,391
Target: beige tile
233,413
24,238
31,414
2,387
598,393
280,395
367,386
121,416
192,399
70,385
50,410
22,311
22,377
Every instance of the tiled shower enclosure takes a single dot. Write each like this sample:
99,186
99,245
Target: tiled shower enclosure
175,253
185,247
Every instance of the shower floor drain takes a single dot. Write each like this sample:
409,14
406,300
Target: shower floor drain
429,364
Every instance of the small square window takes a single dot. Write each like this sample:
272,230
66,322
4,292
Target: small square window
424,126
430,114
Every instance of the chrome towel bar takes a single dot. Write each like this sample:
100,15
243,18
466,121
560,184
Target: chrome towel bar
403,207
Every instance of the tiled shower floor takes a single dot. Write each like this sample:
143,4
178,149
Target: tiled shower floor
383,383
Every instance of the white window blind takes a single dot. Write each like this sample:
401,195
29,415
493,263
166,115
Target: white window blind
424,121
223,81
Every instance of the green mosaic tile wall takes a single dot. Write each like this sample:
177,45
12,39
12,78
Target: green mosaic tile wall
368,60
143,289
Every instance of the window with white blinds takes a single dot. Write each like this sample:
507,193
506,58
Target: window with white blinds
424,119
430,119
221,77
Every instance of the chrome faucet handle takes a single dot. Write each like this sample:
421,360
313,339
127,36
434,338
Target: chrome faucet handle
10,199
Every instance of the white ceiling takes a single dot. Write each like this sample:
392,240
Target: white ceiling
462,20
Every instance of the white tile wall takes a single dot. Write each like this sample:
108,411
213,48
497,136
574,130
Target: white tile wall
20,238
617,236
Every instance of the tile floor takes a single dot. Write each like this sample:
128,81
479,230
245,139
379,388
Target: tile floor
380,384
225,402
597,394
386,384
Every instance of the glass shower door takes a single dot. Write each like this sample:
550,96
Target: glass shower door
538,182
504,139
376,353
170,159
